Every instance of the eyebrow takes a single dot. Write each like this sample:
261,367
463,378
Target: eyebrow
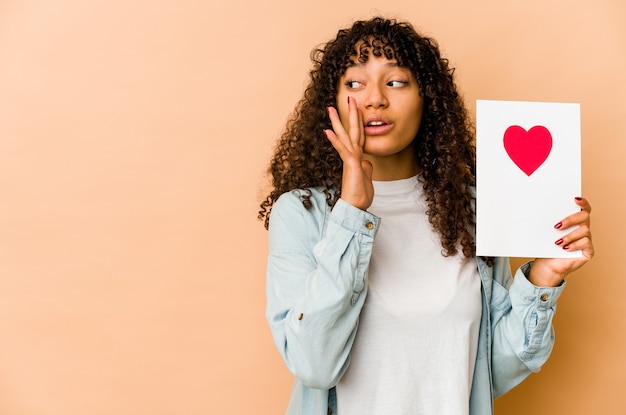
387,65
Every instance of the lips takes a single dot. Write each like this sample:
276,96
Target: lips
376,124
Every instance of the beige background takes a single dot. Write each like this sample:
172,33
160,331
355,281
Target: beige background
133,138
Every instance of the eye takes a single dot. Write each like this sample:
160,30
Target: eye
353,84
396,83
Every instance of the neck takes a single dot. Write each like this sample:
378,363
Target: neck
394,167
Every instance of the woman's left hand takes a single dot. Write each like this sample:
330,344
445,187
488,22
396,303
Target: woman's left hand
550,272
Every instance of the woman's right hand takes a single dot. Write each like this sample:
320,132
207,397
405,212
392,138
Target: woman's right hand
356,183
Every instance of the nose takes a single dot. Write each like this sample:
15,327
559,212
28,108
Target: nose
376,97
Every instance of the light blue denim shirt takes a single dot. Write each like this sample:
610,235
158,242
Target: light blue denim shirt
317,284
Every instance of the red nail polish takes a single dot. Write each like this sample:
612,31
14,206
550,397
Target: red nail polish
558,225
559,242
566,247
578,198
348,100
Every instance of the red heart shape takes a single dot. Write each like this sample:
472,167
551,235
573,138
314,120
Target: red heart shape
528,149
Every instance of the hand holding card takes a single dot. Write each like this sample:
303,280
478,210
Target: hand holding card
550,272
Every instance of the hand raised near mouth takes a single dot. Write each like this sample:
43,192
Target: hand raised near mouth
356,182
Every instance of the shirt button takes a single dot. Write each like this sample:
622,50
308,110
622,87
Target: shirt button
544,297
369,226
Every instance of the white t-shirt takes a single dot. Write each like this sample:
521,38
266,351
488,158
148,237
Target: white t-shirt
417,338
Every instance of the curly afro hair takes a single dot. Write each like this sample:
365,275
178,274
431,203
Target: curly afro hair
444,145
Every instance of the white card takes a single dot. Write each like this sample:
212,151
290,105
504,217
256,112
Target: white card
528,171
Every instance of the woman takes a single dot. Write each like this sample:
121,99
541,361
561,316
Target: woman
376,300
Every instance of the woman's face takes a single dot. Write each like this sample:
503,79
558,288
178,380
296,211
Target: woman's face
389,98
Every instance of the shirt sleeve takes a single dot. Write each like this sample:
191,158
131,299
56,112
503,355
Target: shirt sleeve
316,284
521,319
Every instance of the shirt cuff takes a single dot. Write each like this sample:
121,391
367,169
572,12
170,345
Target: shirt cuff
544,296
354,219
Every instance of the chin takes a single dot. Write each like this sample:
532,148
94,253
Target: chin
381,152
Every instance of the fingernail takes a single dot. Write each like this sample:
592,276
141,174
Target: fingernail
559,242
348,100
566,247
578,198
558,225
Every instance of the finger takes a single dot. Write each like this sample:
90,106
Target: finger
583,244
578,234
337,144
583,203
338,129
578,218
361,128
354,126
